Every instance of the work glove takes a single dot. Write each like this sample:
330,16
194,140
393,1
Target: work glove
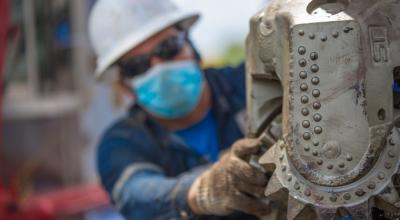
231,184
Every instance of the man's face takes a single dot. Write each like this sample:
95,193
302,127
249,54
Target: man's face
147,54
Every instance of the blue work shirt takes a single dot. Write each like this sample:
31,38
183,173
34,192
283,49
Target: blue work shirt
148,170
202,137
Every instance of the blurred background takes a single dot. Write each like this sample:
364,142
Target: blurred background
53,110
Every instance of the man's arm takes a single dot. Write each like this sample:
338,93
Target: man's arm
138,186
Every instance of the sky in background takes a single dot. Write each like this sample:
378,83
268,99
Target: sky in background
223,22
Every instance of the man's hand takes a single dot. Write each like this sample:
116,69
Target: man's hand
230,184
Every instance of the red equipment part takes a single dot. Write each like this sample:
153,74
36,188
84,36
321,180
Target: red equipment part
46,206
53,205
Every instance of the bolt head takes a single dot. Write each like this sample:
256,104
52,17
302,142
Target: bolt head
314,56
381,176
316,105
302,62
303,75
318,130
316,93
307,136
317,117
304,87
360,192
304,99
305,111
306,124
302,50
314,68
315,80
371,186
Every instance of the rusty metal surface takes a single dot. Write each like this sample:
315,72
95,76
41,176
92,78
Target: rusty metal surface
340,145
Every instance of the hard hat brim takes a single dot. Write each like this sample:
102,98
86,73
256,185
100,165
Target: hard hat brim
184,19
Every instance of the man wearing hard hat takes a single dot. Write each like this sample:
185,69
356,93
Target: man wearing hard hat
155,162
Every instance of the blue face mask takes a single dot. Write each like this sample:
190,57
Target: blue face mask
169,90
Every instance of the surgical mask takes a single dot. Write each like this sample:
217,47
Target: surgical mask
169,90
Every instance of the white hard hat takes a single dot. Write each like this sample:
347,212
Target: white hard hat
118,26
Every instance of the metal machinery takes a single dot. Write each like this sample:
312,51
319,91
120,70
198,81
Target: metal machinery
329,67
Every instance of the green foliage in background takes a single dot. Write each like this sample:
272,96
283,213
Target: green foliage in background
234,54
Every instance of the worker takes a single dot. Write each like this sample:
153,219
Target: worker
165,159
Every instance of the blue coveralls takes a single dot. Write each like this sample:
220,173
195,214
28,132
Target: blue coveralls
147,170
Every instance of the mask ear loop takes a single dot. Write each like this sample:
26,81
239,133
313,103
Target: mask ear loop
197,55
126,88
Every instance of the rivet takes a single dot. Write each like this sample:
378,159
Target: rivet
349,157
306,136
302,50
316,93
314,68
391,154
303,74
307,193
318,130
302,62
317,117
312,36
381,176
320,162
306,124
324,38
304,99
307,148
347,29
316,105
388,165
301,32
360,192
315,80
289,178
315,152
333,198
314,56
315,142
330,166
335,34
296,186
347,196
391,142
304,87
341,165
283,168
281,157
371,186
305,111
